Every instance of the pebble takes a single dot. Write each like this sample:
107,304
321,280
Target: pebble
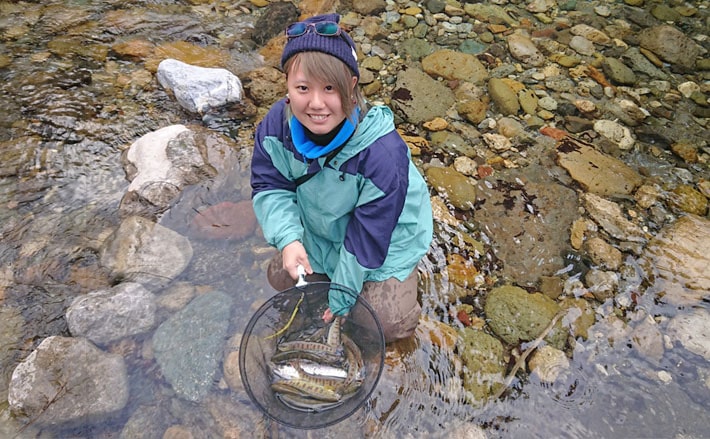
524,50
615,132
688,88
664,376
582,45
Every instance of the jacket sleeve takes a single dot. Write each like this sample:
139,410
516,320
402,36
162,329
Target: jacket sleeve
369,233
273,191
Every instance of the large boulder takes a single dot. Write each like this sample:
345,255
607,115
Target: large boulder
68,380
111,314
189,345
145,252
676,261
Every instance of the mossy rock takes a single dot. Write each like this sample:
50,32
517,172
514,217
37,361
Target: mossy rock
517,316
482,356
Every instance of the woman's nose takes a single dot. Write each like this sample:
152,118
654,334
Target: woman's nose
316,100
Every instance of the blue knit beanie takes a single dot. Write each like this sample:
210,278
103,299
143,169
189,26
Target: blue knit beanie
340,46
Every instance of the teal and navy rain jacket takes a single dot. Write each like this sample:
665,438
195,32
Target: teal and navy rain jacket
366,216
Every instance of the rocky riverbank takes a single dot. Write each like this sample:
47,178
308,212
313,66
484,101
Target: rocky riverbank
565,144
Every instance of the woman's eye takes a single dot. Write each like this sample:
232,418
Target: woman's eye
329,88
302,88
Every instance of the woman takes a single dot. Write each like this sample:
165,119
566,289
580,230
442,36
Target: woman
334,189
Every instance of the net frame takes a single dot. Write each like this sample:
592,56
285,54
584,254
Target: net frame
300,308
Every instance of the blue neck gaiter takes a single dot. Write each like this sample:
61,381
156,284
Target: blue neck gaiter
309,149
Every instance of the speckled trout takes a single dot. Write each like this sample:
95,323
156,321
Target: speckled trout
304,387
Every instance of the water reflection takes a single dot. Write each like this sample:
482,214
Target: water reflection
67,116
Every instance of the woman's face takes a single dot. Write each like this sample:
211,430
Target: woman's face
317,105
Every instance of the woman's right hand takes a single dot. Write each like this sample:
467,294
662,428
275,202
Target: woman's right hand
293,255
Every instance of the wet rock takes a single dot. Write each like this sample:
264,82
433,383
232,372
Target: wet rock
580,316
671,45
453,65
687,199
618,72
11,338
602,284
441,212
108,315
665,13
159,165
369,7
517,316
482,356
687,239
615,132
145,252
453,185
578,231
265,85
523,219
640,63
692,330
590,33
276,16
524,50
67,381
134,49
230,366
420,97
452,143
188,346
176,296
647,339
199,89
462,430
596,172
225,220
647,195
504,97
497,142
489,13
547,363
189,53
528,101
146,422
603,254
609,216
472,102
582,45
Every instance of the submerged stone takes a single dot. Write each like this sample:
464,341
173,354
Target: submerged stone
189,345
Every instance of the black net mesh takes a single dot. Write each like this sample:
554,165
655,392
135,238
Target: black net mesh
299,310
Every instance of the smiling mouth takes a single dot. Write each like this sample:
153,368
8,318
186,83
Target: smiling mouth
318,117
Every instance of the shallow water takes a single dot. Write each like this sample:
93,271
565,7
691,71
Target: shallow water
65,120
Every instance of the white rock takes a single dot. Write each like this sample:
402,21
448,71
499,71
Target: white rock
692,330
497,142
590,33
198,89
582,45
524,50
615,132
688,88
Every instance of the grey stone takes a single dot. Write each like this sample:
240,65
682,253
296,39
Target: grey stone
68,380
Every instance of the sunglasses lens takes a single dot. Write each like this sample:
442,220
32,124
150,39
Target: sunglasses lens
327,28
296,29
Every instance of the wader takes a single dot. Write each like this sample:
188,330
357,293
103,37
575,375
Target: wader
394,302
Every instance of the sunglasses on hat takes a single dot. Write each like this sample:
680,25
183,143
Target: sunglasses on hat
324,28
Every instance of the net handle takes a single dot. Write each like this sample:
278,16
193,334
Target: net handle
301,276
